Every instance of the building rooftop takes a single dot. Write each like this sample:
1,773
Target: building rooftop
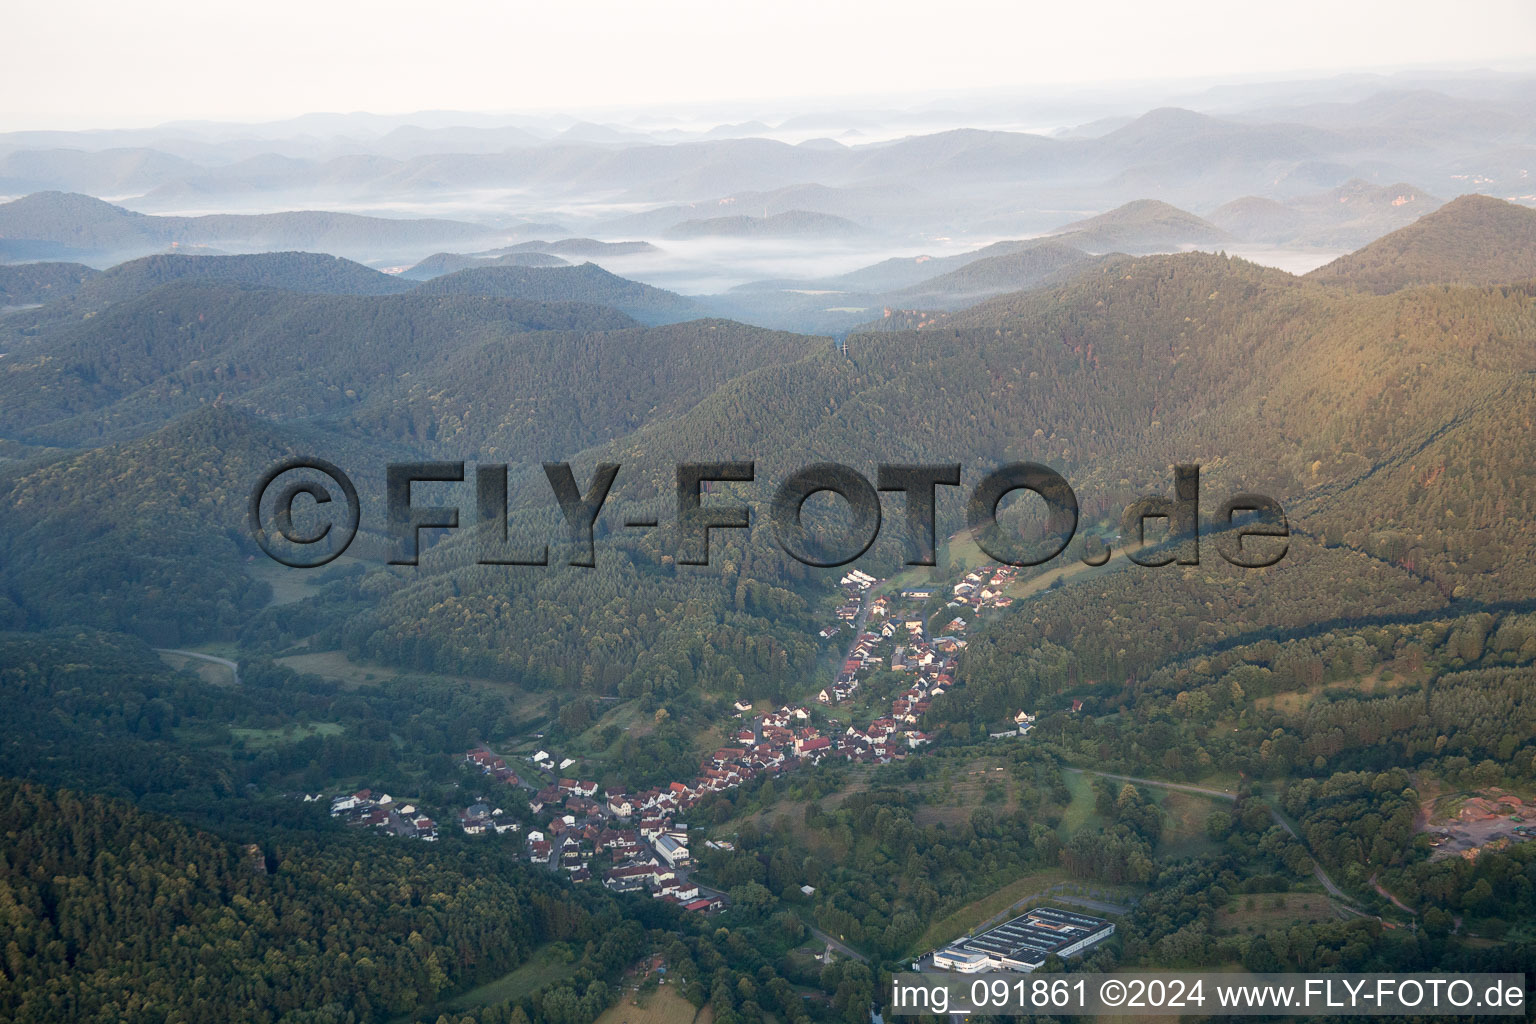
1033,936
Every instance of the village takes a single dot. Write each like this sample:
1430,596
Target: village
639,841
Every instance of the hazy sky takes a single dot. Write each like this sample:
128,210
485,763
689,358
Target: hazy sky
83,63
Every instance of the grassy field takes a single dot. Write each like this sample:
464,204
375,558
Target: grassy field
1184,832
1081,809
965,788
662,1006
289,734
207,671
289,584
1258,913
1296,701
984,909
789,814
549,963
337,666
334,665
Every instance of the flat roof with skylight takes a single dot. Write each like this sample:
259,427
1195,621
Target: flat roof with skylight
1023,943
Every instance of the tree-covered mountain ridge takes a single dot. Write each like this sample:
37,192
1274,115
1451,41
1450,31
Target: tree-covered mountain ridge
1332,400
1348,407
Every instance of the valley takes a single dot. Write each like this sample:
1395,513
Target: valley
645,791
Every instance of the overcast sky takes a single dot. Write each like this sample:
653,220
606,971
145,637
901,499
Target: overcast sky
88,63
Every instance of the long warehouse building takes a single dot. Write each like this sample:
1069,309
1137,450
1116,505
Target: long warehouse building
1023,943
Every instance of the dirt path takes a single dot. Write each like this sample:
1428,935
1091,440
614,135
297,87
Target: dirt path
234,667
1399,904
1222,794
846,950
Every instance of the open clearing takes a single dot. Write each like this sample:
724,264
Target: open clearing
289,584
207,671
984,782
549,963
661,1006
1082,807
1466,821
1295,701
990,905
288,734
1184,832
336,666
1256,913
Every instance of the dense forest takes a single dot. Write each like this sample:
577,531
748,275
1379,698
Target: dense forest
1472,240
585,283
111,913
27,284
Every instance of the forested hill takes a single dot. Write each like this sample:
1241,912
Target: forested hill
442,263
555,393
141,537
1038,264
301,272
141,362
1472,240
585,283
1145,225
28,284
1373,418
84,223
308,272
1113,378
114,915
475,390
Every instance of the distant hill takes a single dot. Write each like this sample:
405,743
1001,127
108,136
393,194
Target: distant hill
1014,271
524,254
1256,219
891,274
26,284
132,366
301,272
1346,217
67,218
1145,225
578,247
442,263
308,272
837,304
1472,240
114,171
790,224
585,283
83,223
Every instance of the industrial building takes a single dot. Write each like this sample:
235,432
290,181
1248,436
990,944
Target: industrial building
1023,943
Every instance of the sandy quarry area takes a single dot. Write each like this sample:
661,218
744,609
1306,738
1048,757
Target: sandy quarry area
1462,824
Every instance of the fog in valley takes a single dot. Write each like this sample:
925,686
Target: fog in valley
816,218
